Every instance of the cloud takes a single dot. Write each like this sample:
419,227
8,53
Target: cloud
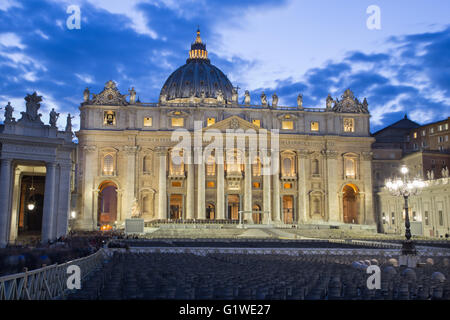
85,78
5,5
11,40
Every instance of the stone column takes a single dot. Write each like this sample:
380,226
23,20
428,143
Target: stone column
63,211
248,188
90,165
162,184
15,207
332,185
366,177
49,215
276,189
5,200
266,193
130,193
302,214
190,189
201,214
220,201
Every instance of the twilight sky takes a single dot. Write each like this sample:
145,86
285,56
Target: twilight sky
288,47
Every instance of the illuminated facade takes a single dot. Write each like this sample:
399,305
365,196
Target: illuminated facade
126,149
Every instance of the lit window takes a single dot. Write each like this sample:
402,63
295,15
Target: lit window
350,167
109,118
148,121
108,165
349,125
432,130
440,127
446,126
177,122
210,121
415,135
287,125
176,184
210,166
288,185
257,122
314,126
424,133
210,184
256,185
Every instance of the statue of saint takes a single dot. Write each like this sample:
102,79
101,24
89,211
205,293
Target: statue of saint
263,99
135,210
329,101
132,95
86,94
274,100
53,118
9,113
300,101
33,103
234,95
247,97
69,123
220,96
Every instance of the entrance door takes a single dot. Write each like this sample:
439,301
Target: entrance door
288,209
257,215
350,204
176,207
210,211
31,206
233,207
107,205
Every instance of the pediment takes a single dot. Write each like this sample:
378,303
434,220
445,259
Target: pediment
233,123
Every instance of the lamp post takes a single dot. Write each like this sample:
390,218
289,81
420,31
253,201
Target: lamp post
406,187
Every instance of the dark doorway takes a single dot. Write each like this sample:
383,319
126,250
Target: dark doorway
233,207
31,208
107,205
350,203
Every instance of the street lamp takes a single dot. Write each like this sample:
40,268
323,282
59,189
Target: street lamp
406,187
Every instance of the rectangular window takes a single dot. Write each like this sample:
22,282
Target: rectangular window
210,184
349,125
384,218
314,126
426,218
288,185
287,125
441,218
446,138
256,185
440,139
424,133
415,135
446,126
257,122
176,184
210,121
177,122
440,127
148,121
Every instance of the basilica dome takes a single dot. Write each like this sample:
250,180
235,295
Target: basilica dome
198,80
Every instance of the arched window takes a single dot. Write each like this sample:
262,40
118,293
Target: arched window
108,165
211,166
287,167
147,165
256,167
176,163
234,162
315,166
350,167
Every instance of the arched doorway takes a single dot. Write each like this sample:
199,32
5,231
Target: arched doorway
233,207
107,205
210,211
257,219
350,204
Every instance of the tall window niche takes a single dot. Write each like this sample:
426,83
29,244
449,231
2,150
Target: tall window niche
108,162
350,162
147,163
176,163
315,167
316,205
288,168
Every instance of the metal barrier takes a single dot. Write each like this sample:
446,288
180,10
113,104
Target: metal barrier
48,282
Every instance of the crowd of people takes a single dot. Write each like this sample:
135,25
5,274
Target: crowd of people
18,258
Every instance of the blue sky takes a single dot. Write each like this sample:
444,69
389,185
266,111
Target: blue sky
287,47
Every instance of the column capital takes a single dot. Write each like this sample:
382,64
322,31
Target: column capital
329,154
304,154
51,164
131,150
89,149
367,155
161,151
